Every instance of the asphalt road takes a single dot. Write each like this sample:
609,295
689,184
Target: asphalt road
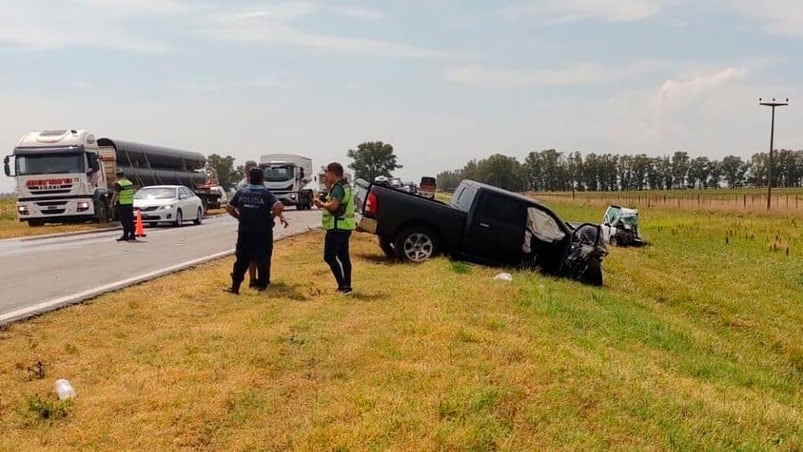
39,274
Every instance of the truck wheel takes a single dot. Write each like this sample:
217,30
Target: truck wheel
179,218
416,244
387,247
198,217
102,212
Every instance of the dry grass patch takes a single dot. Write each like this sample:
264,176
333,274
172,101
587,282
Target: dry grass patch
421,357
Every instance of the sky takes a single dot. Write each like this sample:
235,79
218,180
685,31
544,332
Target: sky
443,81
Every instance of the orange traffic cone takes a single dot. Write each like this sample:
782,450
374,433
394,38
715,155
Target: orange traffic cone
139,229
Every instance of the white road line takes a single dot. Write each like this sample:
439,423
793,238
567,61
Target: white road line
87,294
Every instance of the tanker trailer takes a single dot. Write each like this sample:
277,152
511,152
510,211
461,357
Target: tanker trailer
145,165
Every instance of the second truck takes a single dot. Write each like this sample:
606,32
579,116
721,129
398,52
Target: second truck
288,176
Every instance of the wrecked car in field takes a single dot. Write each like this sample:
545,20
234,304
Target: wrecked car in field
483,224
620,226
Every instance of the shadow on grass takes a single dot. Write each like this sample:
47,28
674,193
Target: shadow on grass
380,259
296,292
307,292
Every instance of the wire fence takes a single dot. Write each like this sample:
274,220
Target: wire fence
721,201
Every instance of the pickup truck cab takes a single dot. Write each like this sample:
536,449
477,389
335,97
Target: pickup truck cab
482,223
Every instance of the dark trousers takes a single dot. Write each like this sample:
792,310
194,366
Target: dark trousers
252,246
336,254
126,215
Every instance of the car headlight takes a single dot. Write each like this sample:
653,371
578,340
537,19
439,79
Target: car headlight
23,210
83,205
168,206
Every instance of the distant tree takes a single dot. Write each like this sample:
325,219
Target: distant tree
641,171
372,159
591,172
533,171
664,165
715,176
448,180
757,176
733,170
699,172
501,171
607,172
226,174
680,169
471,170
787,168
574,169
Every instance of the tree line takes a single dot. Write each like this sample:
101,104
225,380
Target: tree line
550,170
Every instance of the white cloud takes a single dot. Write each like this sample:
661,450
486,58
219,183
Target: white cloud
573,10
40,25
693,111
699,84
358,12
573,75
781,17
204,85
272,26
136,7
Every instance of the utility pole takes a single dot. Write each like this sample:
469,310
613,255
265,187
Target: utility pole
773,104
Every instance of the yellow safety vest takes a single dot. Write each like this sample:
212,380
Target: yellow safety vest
346,221
126,195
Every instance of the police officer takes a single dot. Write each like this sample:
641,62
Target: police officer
338,222
252,266
123,199
255,207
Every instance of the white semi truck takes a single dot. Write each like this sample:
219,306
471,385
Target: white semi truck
288,176
323,189
68,175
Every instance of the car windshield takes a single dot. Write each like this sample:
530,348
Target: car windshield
278,173
156,193
49,164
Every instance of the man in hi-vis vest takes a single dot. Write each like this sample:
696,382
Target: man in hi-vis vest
338,222
123,200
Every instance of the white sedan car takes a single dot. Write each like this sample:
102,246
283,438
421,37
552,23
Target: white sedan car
168,203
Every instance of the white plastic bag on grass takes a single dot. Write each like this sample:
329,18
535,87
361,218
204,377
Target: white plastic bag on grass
504,276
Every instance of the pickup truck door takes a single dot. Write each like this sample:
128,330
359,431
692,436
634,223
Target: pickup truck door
495,228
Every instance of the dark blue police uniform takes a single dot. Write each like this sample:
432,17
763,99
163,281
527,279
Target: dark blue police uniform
254,234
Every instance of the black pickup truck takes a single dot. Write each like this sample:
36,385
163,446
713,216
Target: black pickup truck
483,224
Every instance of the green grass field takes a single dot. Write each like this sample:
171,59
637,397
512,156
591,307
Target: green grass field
694,343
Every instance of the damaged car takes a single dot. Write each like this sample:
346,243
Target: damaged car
483,224
620,226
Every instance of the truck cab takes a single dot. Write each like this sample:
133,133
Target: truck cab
59,177
287,176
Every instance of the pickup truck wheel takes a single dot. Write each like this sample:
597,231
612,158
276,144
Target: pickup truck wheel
387,247
416,244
